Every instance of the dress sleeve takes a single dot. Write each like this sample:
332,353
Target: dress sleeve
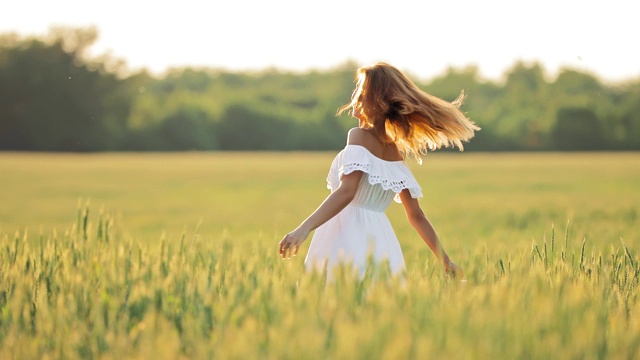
391,175
355,158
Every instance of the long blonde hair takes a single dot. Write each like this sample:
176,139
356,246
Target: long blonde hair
401,113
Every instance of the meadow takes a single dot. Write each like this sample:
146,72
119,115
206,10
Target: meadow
174,255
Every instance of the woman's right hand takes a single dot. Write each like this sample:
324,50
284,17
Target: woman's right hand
290,244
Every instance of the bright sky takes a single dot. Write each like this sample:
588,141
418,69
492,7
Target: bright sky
422,37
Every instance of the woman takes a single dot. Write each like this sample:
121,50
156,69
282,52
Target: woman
396,120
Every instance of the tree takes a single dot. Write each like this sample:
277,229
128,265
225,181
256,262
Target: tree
629,117
577,128
53,99
522,117
187,129
241,128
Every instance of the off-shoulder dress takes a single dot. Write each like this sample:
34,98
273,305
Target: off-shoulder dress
362,229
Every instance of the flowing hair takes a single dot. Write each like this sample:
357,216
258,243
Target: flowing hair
401,113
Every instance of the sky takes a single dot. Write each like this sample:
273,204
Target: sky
423,38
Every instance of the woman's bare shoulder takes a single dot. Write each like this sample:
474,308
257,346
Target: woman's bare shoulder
364,138
358,136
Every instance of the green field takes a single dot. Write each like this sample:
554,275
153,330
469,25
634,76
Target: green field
175,256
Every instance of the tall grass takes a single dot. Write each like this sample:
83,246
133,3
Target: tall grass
92,293
176,257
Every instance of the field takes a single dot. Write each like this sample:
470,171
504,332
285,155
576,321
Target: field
121,256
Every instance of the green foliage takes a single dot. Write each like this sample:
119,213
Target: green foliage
54,97
626,129
242,128
188,129
51,100
578,129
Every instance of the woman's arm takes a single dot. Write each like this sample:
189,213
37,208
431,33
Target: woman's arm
332,205
423,226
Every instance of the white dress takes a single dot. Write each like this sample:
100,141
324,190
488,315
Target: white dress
362,230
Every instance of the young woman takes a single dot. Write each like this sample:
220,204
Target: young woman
396,120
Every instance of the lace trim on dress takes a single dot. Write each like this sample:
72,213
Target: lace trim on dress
391,175
374,179
351,167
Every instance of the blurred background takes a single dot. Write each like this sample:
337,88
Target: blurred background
79,76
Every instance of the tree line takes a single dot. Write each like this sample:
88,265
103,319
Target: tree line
54,96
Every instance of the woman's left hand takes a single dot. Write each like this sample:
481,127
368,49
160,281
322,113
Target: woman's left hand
453,270
290,244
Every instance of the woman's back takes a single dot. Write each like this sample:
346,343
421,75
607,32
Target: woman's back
367,139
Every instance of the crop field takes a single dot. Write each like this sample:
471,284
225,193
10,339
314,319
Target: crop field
174,256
